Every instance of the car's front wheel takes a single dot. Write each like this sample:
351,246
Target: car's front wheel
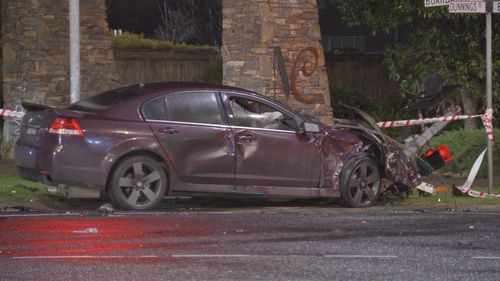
137,183
360,182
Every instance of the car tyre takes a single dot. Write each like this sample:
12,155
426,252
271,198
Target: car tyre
137,183
360,182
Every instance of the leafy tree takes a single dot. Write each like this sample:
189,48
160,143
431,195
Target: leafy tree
436,41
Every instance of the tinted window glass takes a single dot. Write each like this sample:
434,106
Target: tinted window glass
194,108
155,109
251,113
107,99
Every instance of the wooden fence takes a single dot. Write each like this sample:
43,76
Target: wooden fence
363,74
136,66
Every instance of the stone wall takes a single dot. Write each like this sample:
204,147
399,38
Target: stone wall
251,31
35,51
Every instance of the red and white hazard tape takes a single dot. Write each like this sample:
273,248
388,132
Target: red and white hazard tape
466,187
10,113
412,122
487,119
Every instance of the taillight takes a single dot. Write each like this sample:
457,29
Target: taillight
65,126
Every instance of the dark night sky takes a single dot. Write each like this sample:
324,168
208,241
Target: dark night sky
139,16
144,16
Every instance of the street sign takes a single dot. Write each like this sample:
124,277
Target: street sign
435,3
496,6
467,7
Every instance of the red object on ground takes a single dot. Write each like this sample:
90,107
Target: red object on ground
438,156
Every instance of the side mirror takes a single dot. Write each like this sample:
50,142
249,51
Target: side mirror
306,127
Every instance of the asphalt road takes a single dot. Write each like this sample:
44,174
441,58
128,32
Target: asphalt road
278,243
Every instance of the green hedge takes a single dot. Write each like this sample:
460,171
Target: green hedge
137,41
212,72
465,147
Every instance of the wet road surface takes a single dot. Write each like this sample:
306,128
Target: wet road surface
277,243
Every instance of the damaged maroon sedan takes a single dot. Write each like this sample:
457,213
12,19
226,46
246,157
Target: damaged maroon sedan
140,143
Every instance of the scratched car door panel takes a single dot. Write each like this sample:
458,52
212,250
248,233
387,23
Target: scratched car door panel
269,152
191,130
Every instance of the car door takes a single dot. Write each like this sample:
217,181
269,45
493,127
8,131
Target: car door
269,152
191,129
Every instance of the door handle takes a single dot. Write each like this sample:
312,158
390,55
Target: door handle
247,138
168,130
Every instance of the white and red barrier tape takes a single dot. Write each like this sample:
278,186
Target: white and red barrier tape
466,187
487,119
11,113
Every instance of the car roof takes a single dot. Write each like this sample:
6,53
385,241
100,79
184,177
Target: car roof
120,102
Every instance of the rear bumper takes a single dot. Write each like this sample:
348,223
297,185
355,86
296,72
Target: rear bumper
34,164
33,175
51,166
26,157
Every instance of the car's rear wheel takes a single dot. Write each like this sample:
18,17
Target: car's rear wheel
137,183
360,182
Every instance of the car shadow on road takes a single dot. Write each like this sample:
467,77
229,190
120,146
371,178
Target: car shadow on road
57,204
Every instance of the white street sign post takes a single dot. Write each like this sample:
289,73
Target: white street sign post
467,7
496,7
487,7
436,3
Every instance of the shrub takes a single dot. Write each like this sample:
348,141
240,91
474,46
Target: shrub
212,71
137,41
465,147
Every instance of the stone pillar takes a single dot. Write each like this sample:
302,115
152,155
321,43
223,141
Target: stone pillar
36,57
251,31
35,51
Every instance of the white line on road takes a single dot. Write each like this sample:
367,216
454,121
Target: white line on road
288,256
486,258
361,256
83,257
213,256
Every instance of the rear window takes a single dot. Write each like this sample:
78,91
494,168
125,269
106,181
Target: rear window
192,107
107,99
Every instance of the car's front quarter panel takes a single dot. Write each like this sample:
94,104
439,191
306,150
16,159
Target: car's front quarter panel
337,147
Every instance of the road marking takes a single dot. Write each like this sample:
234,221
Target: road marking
83,257
215,256
286,256
486,258
210,256
361,256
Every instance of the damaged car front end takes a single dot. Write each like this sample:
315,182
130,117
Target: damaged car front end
367,163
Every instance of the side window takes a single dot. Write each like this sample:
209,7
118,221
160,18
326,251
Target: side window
155,109
184,107
194,108
251,113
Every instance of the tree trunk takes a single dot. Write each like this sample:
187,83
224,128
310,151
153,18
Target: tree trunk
469,103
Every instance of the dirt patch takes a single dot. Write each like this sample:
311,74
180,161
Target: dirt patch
7,167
